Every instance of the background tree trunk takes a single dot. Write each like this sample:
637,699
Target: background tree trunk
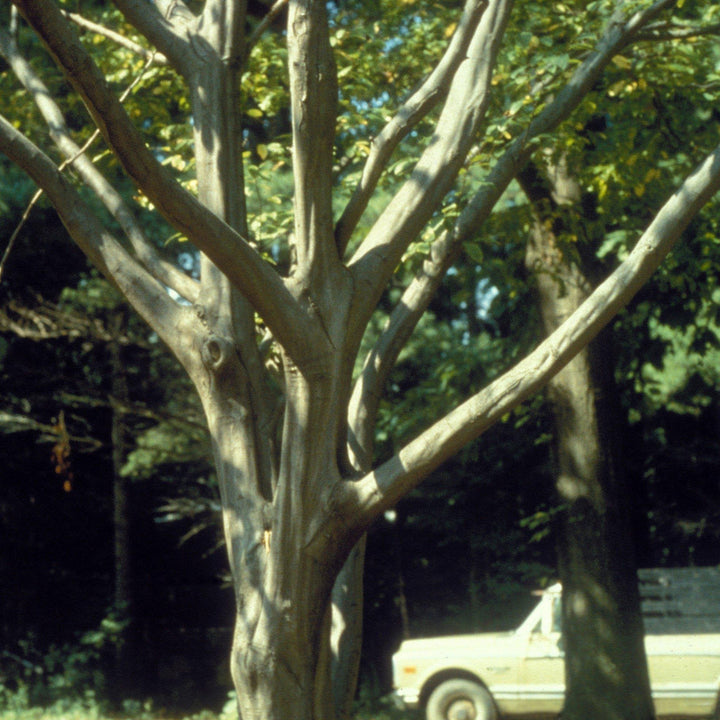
127,647
346,633
605,664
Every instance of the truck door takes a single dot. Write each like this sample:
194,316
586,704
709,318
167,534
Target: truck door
542,671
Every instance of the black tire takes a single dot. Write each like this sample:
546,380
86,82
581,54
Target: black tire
460,700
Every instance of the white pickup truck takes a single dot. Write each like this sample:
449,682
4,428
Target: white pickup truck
521,672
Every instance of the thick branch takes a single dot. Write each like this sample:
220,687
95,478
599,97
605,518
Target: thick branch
437,169
166,25
445,250
222,26
216,103
245,268
313,93
382,488
368,389
214,92
163,270
619,33
215,96
146,295
367,392
418,105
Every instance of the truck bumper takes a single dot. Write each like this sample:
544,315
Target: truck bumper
406,698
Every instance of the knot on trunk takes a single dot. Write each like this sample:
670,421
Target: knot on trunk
215,353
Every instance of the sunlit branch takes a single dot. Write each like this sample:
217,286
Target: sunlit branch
448,246
313,102
414,204
146,294
75,155
222,26
241,263
166,25
675,31
264,24
116,37
380,360
16,232
382,488
415,108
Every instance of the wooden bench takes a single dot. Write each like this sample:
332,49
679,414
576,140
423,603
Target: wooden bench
680,600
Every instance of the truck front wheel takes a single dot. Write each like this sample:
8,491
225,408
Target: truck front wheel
460,700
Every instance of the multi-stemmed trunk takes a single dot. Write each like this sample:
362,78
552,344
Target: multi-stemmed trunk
283,560
292,437
273,468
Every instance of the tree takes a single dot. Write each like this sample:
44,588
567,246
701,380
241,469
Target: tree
602,622
570,228
272,355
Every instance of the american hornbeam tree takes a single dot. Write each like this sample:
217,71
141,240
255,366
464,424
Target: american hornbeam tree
293,438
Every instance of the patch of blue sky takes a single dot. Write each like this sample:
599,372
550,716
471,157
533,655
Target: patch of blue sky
485,294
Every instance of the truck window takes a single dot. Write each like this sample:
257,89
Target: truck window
557,615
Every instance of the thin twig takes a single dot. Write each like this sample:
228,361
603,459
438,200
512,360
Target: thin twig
11,422
262,26
45,320
675,31
63,165
14,21
116,37
133,409
17,230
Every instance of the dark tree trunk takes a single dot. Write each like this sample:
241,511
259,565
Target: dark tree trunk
126,665
606,669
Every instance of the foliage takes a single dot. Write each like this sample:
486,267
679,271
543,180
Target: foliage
16,705
63,680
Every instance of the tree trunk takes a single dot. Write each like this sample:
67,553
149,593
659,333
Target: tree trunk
606,668
273,479
283,566
346,633
126,649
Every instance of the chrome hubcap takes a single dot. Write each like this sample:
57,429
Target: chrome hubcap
461,709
